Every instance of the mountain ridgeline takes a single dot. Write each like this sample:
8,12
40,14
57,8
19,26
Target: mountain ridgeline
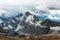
20,24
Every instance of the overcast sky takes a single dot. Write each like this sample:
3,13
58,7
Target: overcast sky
40,4
27,2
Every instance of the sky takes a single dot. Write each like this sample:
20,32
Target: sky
15,2
43,5
39,4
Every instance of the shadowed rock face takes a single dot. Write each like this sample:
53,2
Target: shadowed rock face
50,23
28,13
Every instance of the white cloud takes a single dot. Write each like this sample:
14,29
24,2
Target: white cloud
15,2
2,12
51,17
40,4
53,3
54,11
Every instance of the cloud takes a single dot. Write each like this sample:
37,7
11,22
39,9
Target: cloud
15,2
42,4
53,3
51,17
54,11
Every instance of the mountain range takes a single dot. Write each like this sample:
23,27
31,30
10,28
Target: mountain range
16,22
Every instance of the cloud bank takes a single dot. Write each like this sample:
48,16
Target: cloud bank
39,5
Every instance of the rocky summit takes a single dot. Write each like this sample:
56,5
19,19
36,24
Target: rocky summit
21,24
